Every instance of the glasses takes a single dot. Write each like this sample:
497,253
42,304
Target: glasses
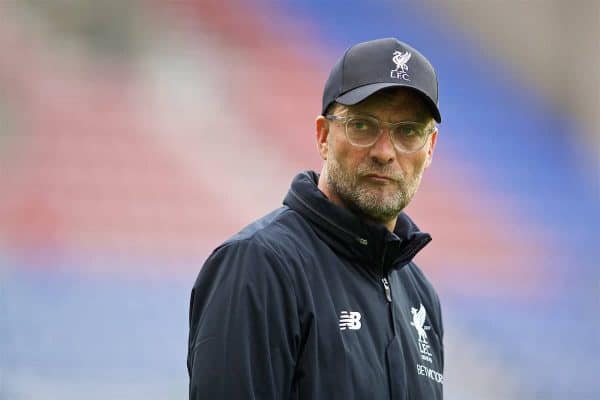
364,131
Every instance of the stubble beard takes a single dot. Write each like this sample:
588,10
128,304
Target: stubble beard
372,200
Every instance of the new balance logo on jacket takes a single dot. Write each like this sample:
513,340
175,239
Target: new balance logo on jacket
350,320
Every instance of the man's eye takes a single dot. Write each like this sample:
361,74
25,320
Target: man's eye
409,130
360,125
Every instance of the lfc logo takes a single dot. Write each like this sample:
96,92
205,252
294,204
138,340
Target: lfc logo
419,317
400,59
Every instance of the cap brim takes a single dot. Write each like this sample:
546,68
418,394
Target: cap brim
357,95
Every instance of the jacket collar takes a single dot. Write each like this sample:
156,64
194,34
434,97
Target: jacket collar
372,244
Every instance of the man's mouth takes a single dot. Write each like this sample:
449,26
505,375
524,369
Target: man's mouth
380,178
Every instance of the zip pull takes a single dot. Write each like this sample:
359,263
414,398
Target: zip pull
386,289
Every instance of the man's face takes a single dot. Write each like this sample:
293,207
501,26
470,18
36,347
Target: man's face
377,181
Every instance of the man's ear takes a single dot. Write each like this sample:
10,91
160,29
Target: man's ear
322,134
431,147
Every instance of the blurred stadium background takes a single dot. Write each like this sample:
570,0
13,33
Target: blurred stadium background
137,135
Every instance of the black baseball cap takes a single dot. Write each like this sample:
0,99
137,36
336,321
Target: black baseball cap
369,67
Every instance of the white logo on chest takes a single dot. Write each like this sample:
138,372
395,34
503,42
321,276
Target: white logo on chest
418,321
350,320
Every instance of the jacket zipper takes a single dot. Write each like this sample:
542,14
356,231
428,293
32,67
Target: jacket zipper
388,296
386,289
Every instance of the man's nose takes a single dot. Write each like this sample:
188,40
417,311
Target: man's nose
383,150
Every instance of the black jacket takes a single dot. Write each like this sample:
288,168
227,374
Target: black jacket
309,302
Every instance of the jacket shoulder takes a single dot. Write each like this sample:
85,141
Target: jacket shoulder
248,259
278,232
271,237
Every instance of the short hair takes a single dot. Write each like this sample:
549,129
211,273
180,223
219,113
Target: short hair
332,108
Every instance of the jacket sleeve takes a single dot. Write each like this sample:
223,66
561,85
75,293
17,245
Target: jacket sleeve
244,326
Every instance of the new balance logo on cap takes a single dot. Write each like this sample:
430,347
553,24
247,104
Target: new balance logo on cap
350,320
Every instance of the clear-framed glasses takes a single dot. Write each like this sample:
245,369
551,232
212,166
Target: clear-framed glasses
364,131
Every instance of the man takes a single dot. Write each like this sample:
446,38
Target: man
320,299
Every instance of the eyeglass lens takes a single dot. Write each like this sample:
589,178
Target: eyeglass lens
408,136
